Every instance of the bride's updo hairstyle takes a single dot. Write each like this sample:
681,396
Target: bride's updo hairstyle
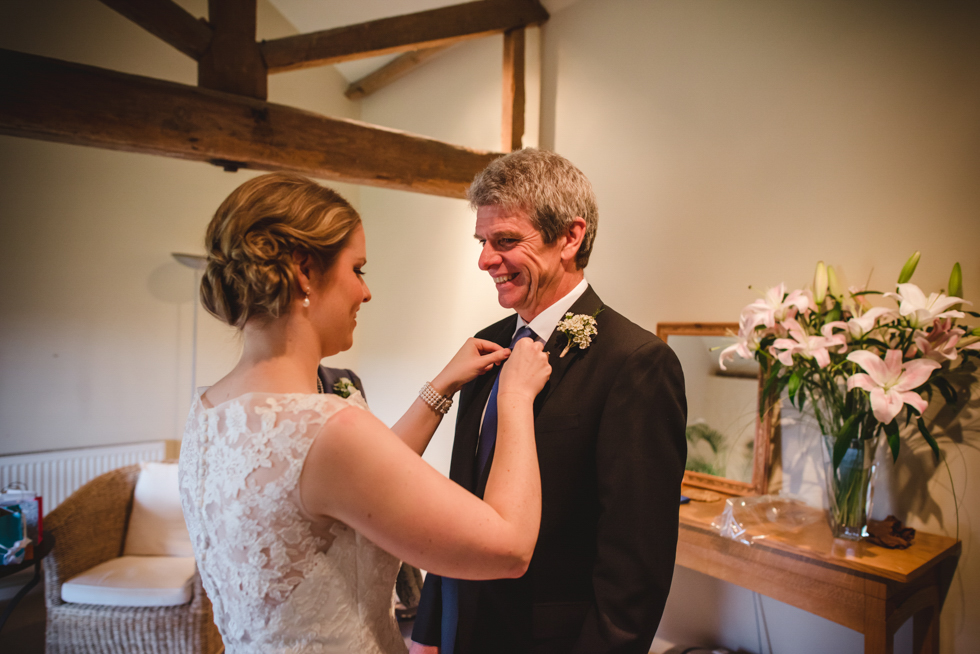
253,235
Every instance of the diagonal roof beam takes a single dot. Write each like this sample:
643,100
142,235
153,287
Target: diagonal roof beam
424,29
168,21
54,100
393,70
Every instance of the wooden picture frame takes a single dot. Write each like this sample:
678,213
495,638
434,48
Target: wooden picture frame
764,426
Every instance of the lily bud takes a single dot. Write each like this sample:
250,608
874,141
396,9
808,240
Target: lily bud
820,283
956,281
833,284
909,268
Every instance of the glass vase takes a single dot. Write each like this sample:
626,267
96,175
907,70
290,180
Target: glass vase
850,488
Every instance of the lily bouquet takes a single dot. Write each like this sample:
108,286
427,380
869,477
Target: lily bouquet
856,368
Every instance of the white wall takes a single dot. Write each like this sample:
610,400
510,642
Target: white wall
96,318
730,144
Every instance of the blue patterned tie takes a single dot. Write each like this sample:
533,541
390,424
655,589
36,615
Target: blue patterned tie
488,432
488,438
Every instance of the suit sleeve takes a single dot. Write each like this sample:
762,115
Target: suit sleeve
640,455
428,619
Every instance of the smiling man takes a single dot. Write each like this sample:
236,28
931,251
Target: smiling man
610,437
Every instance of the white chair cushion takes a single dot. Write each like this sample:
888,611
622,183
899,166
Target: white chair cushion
134,581
156,525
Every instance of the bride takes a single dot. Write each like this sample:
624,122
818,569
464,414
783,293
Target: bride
299,504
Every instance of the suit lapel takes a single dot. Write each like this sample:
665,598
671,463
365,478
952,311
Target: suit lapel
588,304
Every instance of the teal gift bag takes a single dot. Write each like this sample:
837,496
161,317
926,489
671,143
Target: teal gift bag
13,534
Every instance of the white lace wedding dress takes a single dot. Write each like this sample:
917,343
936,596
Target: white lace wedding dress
280,580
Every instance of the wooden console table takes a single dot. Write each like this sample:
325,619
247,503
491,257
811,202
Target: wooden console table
864,587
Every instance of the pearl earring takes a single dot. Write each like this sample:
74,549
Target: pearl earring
306,300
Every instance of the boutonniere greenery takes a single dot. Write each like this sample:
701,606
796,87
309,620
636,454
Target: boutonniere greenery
344,387
579,329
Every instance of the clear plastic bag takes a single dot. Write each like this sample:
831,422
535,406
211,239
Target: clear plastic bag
750,519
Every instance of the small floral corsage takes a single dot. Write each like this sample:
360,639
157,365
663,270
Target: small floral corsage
579,329
344,387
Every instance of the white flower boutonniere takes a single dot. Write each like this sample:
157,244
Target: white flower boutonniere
344,387
579,329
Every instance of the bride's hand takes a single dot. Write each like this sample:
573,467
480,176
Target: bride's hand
474,358
526,371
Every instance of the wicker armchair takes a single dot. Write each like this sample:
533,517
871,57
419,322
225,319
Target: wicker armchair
89,529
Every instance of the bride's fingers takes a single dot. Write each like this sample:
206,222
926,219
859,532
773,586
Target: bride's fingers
493,358
486,347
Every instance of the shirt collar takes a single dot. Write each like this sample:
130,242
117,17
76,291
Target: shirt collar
545,322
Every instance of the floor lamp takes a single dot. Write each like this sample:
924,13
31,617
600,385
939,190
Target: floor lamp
196,262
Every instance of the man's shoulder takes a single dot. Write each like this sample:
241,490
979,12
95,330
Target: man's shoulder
623,334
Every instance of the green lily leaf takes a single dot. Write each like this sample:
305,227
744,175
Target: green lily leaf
840,449
891,430
794,385
921,424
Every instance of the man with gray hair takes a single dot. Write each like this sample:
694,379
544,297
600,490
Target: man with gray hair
610,437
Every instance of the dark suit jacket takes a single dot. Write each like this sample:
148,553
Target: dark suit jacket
609,426
330,376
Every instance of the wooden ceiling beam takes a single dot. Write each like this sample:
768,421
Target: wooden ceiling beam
513,95
65,102
168,21
425,29
233,63
393,70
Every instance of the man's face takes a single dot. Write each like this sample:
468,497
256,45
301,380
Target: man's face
526,271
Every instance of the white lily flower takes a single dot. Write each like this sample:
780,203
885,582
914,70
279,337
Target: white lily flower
865,324
922,311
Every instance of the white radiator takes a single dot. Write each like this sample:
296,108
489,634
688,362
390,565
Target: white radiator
58,474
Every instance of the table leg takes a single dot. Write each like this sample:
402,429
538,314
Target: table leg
925,631
878,637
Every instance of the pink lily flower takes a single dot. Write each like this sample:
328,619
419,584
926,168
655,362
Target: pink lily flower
772,308
920,310
940,342
864,325
854,302
745,347
889,382
806,345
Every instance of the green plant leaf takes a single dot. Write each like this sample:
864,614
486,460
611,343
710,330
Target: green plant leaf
860,293
921,424
794,385
891,430
840,449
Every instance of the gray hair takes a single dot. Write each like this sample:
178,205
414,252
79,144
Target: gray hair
544,185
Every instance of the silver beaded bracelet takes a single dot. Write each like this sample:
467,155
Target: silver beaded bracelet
436,401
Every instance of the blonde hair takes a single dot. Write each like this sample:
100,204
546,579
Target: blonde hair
253,235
